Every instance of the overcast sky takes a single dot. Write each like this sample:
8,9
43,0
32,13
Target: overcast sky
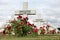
48,9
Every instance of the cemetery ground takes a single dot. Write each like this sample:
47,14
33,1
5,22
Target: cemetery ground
40,37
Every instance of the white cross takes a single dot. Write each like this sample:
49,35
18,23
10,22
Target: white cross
25,11
39,20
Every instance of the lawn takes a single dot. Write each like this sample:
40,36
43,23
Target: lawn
40,37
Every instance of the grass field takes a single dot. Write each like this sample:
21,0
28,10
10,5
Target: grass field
40,37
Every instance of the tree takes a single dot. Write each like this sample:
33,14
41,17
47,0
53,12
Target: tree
58,29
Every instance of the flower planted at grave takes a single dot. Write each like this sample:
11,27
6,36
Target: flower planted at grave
52,31
20,27
19,17
42,30
4,32
8,29
47,28
35,30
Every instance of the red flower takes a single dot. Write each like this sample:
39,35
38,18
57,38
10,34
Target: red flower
26,18
42,30
29,24
9,27
25,22
19,17
53,31
21,23
35,30
48,25
32,24
4,32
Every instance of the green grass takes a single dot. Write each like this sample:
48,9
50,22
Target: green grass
41,37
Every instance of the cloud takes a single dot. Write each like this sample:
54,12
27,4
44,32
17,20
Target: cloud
47,9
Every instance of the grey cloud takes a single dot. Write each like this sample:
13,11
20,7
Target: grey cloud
48,7
51,12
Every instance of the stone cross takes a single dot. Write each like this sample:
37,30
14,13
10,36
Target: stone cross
25,12
39,21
